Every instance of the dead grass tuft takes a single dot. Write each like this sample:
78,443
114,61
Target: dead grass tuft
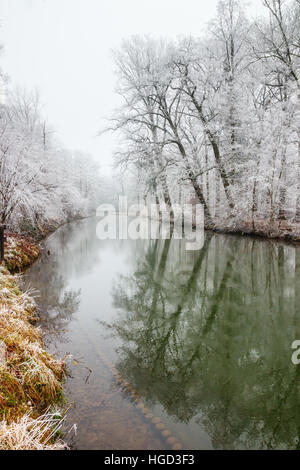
20,252
32,434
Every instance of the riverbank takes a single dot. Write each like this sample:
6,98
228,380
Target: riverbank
284,230
275,229
30,378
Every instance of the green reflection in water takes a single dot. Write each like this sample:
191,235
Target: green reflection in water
208,336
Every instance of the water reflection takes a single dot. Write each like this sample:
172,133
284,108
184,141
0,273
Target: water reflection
204,336
208,336
70,252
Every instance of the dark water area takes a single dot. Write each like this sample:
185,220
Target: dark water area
204,337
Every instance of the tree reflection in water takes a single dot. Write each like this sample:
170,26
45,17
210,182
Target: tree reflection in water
208,336
68,251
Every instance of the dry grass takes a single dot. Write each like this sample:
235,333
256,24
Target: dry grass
32,434
20,252
30,378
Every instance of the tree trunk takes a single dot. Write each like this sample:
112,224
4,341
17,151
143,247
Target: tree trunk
282,189
254,203
199,193
297,214
218,196
196,186
217,155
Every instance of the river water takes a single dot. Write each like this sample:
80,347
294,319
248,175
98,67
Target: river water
204,337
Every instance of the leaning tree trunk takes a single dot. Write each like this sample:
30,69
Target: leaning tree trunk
282,188
166,194
297,214
199,193
254,203
196,186
162,172
217,155
254,208
218,197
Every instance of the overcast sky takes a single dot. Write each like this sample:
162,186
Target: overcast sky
63,48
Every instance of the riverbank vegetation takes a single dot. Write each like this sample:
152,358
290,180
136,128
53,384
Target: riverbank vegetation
30,378
32,434
20,251
216,119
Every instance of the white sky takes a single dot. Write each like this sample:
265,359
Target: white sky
63,48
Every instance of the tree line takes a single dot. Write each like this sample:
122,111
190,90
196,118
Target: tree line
217,118
40,180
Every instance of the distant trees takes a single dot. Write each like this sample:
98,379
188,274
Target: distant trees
40,180
217,117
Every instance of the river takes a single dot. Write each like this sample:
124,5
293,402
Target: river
203,337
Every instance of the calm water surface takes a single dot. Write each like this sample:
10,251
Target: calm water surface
204,337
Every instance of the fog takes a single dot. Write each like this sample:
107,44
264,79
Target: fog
63,48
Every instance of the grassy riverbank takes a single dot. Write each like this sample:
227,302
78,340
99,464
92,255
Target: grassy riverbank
30,378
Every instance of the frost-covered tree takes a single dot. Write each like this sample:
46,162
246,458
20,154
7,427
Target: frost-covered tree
218,117
39,179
